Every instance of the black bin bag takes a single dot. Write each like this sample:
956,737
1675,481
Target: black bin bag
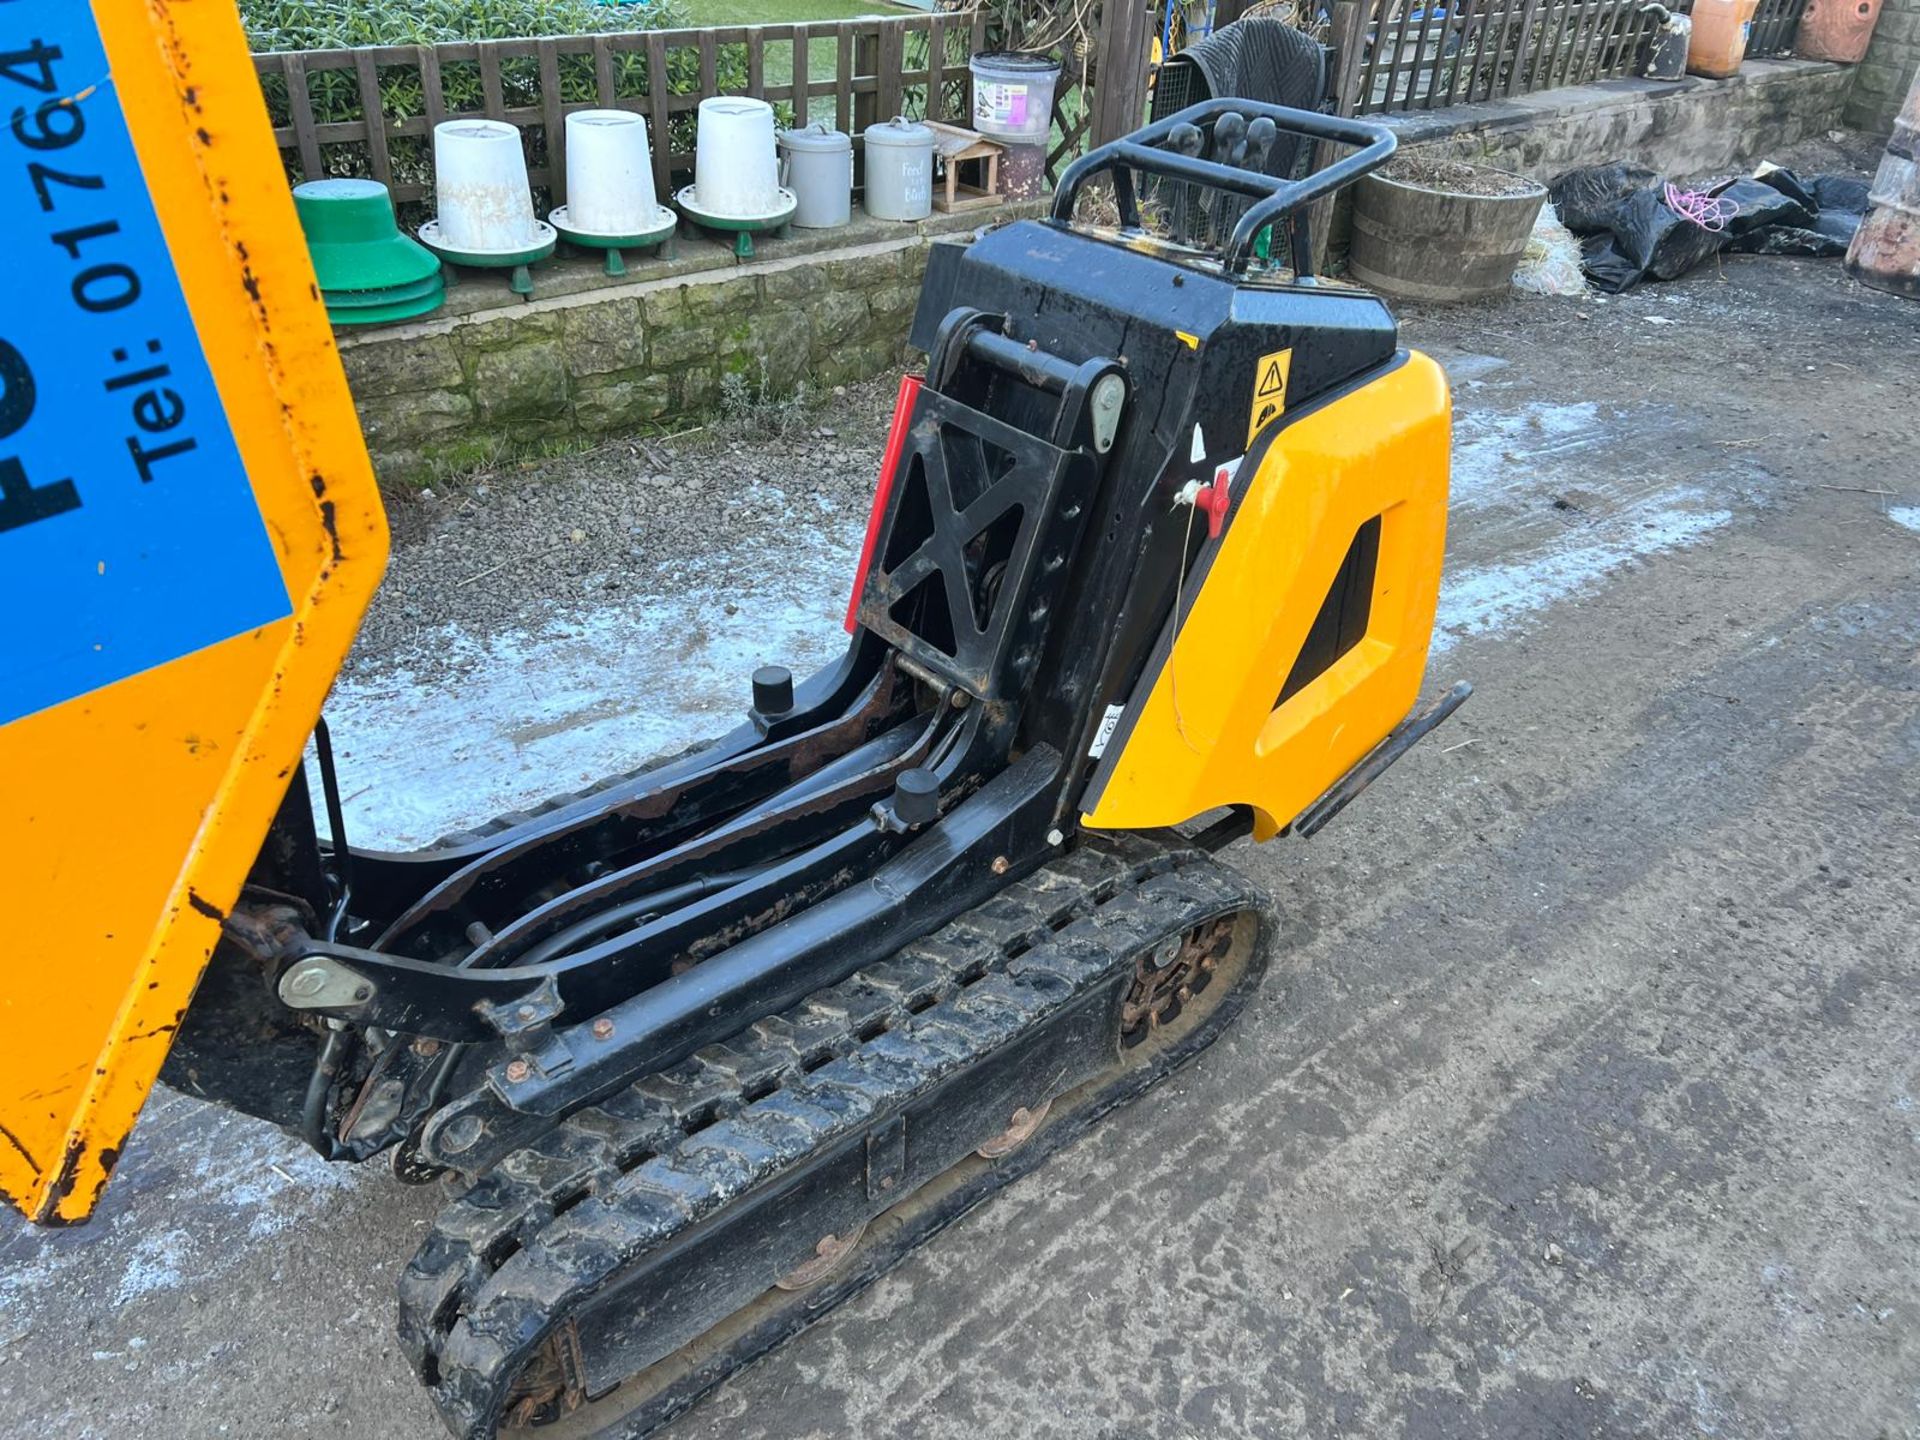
1587,199
1756,206
1788,240
1605,267
1839,192
1664,244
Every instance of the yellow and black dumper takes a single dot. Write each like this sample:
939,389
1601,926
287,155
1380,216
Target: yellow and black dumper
1152,565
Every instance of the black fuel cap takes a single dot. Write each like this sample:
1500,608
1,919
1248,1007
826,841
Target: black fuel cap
773,690
916,798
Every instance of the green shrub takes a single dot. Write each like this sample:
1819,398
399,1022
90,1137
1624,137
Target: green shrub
337,24
278,25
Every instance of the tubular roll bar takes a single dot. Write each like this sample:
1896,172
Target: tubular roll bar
1273,198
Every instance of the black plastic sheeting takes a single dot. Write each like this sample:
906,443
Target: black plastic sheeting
1840,192
1629,233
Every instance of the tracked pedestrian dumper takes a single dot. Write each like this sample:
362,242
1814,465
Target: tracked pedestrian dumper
1152,565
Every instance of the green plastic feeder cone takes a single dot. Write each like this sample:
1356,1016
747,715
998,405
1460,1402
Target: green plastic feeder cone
353,236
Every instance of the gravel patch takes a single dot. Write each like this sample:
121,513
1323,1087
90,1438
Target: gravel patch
531,543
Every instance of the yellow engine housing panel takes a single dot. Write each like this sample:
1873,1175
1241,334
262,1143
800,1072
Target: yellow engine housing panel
1210,731
136,797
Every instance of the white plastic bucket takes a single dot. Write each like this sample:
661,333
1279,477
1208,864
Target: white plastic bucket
816,164
899,170
480,180
1013,96
735,170
610,174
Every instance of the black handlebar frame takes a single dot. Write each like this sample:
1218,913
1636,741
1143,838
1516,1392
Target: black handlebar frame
1273,198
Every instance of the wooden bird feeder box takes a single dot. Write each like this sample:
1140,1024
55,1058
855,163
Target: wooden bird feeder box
955,147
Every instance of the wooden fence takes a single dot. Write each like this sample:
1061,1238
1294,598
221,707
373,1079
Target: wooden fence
371,111
1776,24
1419,54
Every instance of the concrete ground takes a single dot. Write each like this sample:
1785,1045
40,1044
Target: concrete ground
1587,1099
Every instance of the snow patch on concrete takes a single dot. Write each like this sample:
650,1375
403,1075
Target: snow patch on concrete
1480,599
540,712
1548,500
155,1265
1498,454
1907,515
245,1179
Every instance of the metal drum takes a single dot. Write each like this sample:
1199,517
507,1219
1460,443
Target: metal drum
817,165
899,170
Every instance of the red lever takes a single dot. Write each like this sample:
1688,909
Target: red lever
1215,499
889,463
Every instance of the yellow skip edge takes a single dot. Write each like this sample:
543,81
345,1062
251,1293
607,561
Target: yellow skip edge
135,811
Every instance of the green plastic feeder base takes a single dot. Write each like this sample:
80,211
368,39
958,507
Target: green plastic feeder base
432,285
362,312
518,261
742,228
355,244
660,238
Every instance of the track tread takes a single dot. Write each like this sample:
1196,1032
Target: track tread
677,1146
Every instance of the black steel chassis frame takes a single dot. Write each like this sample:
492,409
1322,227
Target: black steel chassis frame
1023,568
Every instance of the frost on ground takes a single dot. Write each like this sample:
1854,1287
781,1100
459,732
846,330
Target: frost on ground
215,1174
476,725
1529,475
559,622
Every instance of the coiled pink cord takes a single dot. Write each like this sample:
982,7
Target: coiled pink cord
1709,212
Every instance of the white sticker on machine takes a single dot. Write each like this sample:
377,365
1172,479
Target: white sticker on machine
1108,723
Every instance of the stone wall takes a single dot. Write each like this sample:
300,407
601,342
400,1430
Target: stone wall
1881,79
1678,127
459,389
591,356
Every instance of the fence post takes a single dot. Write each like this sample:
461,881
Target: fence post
553,123
1120,67
1347,34
866,104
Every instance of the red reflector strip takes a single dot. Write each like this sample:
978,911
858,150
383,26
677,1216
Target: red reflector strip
889,463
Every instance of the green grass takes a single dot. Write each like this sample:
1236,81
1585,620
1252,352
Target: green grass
781,12
821,64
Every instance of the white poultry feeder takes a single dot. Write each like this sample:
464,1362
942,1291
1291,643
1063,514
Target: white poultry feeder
736,173
611,204
486,218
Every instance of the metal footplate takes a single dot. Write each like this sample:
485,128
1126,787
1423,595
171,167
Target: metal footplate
647,1239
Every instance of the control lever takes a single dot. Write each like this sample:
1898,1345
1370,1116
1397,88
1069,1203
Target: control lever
1185,140
1229,149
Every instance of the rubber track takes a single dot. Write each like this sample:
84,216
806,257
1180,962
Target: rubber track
612,1181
